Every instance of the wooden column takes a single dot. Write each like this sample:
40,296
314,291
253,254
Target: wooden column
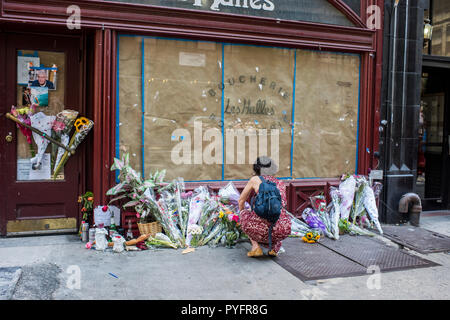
103,114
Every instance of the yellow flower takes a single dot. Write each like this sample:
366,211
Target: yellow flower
221,214
318,237
23,110
309,235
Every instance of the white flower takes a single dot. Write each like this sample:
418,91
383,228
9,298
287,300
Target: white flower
195,229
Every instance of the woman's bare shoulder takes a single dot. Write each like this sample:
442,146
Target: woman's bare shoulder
255,179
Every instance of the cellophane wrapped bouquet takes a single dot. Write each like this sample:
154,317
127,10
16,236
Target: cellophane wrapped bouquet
188,218
352,210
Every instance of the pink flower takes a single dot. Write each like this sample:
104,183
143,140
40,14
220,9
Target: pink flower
138,215
185,195
105,208
235,218
230,217
58,126
88,245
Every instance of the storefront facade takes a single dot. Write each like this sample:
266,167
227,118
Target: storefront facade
173,83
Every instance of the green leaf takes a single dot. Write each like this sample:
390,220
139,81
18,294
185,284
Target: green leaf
131,203
117,165
117,198
116,189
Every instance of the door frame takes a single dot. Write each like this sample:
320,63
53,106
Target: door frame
442,65
8,29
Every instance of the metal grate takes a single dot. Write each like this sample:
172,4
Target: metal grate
349,256
418,239
368,252
313,261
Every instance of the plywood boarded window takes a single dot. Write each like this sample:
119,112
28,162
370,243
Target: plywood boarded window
206,110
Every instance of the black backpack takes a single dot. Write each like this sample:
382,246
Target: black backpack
267,204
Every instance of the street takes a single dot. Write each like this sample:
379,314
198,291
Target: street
58,267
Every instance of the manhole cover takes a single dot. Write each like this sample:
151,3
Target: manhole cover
368,252
418,239
314,261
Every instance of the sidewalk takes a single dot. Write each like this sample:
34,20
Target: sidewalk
50,263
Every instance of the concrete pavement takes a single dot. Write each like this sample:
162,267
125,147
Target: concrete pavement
59,267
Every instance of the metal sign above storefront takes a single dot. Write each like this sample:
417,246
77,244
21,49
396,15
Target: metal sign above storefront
321,11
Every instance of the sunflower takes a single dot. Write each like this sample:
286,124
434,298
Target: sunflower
309,235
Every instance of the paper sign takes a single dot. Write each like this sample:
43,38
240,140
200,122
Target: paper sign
23,169
23,70
104,217
192,59
44,172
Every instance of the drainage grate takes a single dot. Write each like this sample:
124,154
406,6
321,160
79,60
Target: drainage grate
313,261
347,257
418,239
368,251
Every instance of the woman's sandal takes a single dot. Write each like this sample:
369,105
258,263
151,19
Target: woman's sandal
272,253
255,253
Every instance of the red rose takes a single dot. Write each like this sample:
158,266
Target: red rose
105,208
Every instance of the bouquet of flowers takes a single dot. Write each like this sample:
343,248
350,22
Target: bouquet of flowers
23,114
347,192
160,240
230,223
195,231
83,127
195,208
371,207
62,126
312,236
319,205
335,212
43,123
313,220
298,227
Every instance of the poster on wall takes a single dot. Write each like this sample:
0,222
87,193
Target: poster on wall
24,64
43,77
25,172
39,96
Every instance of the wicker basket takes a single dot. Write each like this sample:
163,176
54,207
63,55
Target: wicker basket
151,228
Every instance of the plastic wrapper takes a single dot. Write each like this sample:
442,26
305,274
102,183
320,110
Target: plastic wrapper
75,141
210,206
182,206
23,114
161,240
335,212
353,229
61,129
118,244
358,201
320,208
230,195
43,123
298,227
195,208
371,207
216,231
195,232
100,239
347,192
165,218
312,219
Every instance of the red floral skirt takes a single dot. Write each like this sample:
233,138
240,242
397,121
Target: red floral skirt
257,229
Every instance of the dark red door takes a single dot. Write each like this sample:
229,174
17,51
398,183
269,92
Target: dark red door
32,202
